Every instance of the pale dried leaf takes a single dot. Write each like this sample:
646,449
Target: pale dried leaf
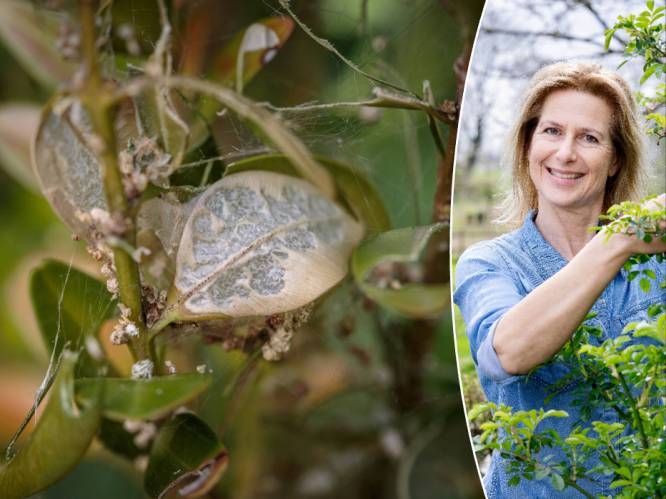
166,217
259,243
66,167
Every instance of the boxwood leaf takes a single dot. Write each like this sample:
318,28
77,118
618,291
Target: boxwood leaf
240,60
117,439
186,459
353,188
18,126
388,269
31,34
59,441
67,170
143,398
70,307
260,243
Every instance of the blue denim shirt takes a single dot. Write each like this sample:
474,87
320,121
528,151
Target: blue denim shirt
493,276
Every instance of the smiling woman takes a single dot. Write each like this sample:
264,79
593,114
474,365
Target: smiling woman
571,154
576,150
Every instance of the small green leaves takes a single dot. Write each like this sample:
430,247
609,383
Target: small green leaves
70,307
143,398
186,460
62,435
388,269
260,243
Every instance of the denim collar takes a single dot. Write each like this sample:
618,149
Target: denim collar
548,259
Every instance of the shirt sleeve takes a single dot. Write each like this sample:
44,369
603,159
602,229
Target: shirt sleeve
485,291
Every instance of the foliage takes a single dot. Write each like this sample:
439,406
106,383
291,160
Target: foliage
198,246
626,375
647,40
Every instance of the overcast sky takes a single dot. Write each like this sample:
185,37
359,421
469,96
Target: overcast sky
516,37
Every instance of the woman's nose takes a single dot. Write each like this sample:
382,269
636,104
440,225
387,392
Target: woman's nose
566,152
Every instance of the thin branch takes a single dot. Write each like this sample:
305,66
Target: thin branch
547,34
383,98
329,46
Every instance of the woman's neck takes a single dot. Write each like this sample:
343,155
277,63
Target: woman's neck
567,230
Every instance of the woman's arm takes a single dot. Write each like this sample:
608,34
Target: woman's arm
535,328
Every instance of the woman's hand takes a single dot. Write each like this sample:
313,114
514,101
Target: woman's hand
628,243
536,328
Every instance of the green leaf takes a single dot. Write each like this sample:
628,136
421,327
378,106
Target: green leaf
18,126
186,459
117,439
70,307
608,37
30,33
650,273
143,398
354,189
59,441
649,72
645,284
388,268
557,481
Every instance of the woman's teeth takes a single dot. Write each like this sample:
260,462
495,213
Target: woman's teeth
564,175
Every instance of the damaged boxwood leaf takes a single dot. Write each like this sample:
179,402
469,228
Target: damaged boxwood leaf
62,435
66,166
186,459
353,188
259,243
389,269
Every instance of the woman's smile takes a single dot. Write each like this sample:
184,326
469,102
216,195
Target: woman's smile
567,177
571,154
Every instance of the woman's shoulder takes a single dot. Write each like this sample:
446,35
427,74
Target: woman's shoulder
493,250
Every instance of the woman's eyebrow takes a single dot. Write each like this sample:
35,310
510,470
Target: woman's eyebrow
593,130
581,129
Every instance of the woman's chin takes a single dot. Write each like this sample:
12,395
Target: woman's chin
566,201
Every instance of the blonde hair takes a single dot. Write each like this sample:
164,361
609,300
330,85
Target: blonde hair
625,131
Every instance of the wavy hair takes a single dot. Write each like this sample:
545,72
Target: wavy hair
625,131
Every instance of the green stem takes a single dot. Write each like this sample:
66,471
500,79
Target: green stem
634,409
98,100
567,481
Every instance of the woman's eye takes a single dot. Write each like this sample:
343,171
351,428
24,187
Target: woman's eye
590,139
551,130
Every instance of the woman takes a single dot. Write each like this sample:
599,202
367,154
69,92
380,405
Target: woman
576,151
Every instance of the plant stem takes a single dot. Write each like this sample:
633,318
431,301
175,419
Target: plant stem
98,99
567,481
637,415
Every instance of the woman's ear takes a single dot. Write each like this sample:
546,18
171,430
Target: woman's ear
614,168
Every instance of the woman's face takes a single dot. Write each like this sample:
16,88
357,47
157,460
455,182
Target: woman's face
571,155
